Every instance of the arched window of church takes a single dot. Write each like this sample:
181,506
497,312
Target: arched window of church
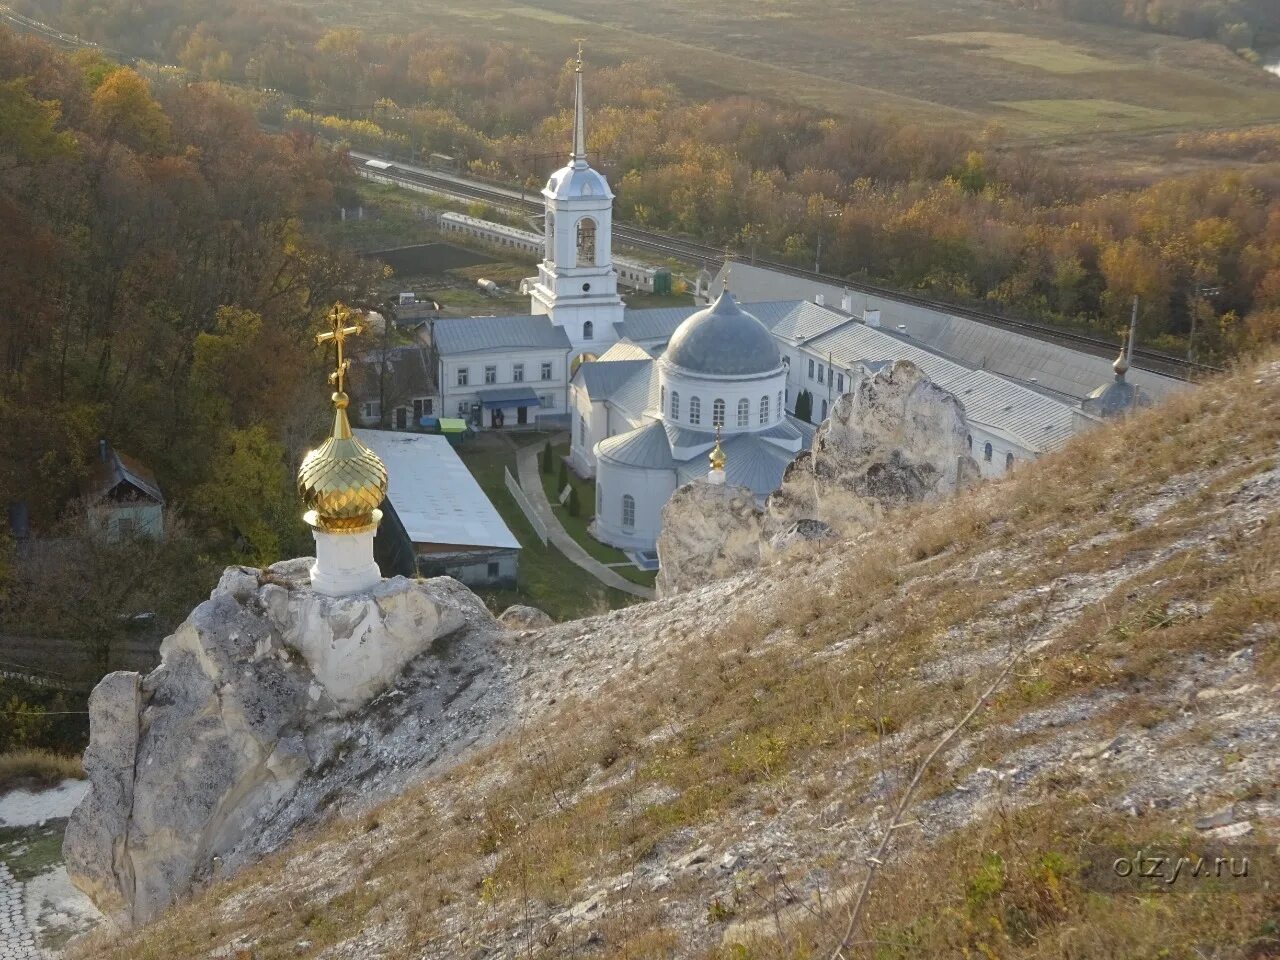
764,409
781,405
628,512
824,409
588,330
968,439
582,431
586,242
1008,461
551,235
675,404
662,399
744,412
717,413
986,453
695,410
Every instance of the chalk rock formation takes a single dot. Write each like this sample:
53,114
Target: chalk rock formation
271,704
801,532
709,532
895,438
521,617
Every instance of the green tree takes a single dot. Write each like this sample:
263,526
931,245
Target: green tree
562,479
248,496
548,458
804,406
575,506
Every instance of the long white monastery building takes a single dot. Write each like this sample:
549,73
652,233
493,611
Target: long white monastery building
643,392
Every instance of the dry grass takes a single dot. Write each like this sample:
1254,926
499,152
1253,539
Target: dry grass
37,769
821,694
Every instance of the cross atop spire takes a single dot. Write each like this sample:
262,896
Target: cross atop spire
579,155
338,335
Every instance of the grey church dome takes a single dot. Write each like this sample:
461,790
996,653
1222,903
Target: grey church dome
723,340
575,181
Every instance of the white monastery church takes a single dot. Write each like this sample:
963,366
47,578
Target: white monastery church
644,392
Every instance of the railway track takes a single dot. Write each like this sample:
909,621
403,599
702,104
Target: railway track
704,255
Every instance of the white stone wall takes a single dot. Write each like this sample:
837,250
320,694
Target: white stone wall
554,389
731,390
651,490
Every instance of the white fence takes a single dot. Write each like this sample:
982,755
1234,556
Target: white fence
513,488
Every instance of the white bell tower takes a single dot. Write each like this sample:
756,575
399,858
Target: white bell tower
576,285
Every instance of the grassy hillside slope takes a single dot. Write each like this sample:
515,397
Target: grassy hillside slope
958,62
706,776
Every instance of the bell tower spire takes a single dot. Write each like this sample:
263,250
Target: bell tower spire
579,155
577,285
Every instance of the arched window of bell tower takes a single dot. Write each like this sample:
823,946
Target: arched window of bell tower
551,236
586,242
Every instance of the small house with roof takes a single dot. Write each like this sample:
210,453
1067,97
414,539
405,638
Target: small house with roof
121,496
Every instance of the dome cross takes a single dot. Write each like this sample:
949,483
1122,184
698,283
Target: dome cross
338,335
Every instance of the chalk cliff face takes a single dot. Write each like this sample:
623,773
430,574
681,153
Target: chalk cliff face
708,532
895,438
271,703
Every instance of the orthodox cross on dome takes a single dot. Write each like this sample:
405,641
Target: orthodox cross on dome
339,333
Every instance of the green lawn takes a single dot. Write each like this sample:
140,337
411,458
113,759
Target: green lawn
547,579
577,526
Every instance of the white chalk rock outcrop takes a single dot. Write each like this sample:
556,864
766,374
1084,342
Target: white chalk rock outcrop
271,704
709,532
518,616
895,438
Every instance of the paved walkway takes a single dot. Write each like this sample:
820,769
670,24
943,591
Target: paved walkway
531,482
17,940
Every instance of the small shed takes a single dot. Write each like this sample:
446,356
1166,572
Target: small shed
122,497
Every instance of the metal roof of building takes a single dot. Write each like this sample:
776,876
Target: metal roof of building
603,378
645,446
455,335
684,437
750,461
1037,422
625,350
1016,355
509,397
433,492
639,392
655,325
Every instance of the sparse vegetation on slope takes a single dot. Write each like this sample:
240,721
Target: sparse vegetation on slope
704,777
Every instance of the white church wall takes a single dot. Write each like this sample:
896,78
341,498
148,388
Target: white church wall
588,422
650,489
675,382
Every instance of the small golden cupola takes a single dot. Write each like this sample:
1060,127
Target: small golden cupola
717,460
342,484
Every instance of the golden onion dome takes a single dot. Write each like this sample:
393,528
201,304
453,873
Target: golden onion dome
717,456
1121,365
342,482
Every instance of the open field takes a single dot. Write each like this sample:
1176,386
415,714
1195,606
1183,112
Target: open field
965,62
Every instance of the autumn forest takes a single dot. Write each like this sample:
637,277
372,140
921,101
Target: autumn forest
160,270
